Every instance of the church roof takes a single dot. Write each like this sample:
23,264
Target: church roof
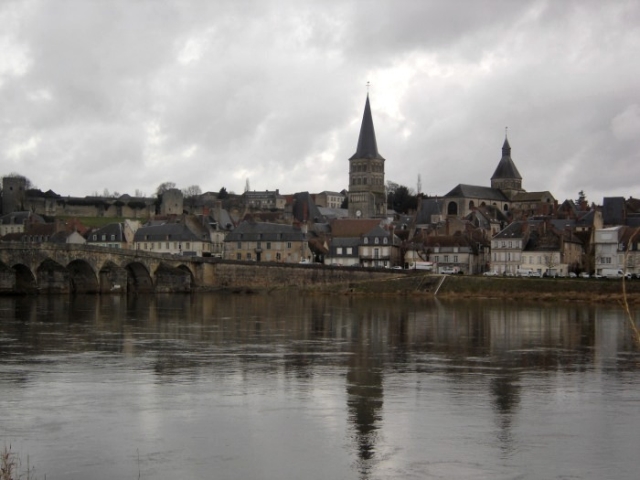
506,168
367,145
475,191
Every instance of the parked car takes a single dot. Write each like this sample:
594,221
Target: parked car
490,273
572,275
584,275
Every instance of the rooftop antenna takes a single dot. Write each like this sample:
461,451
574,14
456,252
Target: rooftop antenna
368,85
505,132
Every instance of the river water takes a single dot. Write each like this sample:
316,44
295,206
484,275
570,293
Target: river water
284,387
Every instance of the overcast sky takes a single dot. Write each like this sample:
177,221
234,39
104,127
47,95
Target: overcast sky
125,95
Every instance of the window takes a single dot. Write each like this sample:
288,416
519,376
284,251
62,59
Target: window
376,240
188,245
366,240
238,256
376,253
113,237
239,245
248,255
349,251
288,244
435,259
446,259
104,237
167,246
268,245
339,251
385,240
95,237
455,259
278,256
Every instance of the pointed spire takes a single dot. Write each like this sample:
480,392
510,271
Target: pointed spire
367,145
506,148
506,167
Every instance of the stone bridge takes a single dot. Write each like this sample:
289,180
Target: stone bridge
66,268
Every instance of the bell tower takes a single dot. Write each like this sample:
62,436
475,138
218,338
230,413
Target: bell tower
367,192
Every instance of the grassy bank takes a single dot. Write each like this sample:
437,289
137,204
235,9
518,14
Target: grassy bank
465,286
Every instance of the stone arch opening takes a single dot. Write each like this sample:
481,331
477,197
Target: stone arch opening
452,208
112,278
138,278
173,279
83,278
25,279
53,277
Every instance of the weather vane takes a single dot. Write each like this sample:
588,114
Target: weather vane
368,85
505,131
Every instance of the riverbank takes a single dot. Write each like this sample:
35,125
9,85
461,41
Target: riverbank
513,288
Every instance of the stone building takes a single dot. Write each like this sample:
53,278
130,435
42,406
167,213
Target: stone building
367,192
267,242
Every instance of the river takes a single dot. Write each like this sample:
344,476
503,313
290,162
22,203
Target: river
334,387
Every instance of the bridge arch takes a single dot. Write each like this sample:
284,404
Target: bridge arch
83,277
25,279
112,278
138,278
52,277
171,279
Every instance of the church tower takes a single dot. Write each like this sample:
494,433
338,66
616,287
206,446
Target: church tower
506,177
367,193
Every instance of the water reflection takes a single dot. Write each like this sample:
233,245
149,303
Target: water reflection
458,361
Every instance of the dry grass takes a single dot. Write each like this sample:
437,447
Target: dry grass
625,299
11,466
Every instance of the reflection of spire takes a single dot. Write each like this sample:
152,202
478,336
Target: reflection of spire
506,393
364,400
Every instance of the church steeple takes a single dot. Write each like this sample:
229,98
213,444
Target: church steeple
367,144
367,193
506,177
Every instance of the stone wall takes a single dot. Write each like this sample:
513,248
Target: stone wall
266,276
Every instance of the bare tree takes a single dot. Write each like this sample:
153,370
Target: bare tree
191,191
163,187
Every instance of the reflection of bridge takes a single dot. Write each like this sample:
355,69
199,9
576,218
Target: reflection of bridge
51,268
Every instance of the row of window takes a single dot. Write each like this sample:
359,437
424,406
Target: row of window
363,167
504,243
376,240
363,181
103,237
445,259
248,245
176,246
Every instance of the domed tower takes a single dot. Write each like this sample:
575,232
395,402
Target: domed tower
367,197
506,177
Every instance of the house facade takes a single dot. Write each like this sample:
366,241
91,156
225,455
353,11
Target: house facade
171,238
507,247
379,248
267,242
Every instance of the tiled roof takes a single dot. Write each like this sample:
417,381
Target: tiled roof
165,232
262,231
352,227
532,197
475,191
